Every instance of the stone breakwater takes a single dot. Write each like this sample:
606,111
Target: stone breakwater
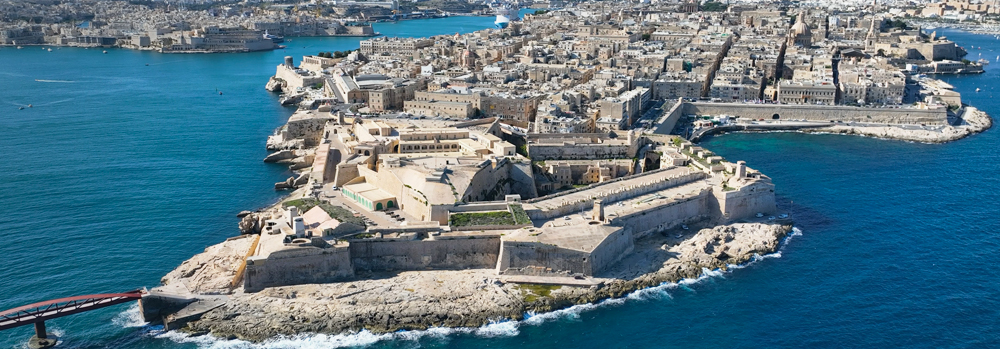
417,300
972,121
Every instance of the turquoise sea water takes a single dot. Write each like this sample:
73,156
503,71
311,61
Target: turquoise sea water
121,171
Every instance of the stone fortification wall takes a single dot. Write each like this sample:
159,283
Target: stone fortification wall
669,119
611,250
536,258
490,183
610,192
541,259
309,129
298,266
821,113
572,151
294,80
524,180
747,201
345,173
669,213
464,252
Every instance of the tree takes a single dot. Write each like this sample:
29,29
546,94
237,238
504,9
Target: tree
645,37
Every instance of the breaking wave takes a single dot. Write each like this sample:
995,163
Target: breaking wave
497,329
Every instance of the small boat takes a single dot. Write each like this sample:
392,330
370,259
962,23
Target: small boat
977,89
29,106
783,215
147,64
20,108
50,50
684,226
220,93
105,51
20,47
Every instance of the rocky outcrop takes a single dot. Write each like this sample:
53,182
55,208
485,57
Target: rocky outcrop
276,84
251,223
280,155
470,298
287,184
212,271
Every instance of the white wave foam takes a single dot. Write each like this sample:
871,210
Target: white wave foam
498,329
131,317
56,81
492,330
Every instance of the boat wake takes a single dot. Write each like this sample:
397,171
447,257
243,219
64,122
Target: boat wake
56,81
498,329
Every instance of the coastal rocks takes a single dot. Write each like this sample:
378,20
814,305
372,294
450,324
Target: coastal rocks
292,182
280,155
971,121
276,84
251,223
414,300
212,271
287,184
292,99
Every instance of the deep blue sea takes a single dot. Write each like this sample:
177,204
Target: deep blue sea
120,171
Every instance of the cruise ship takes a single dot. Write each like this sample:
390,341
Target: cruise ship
505,14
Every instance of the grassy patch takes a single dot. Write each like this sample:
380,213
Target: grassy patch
532,292
481,218
336,212
520,217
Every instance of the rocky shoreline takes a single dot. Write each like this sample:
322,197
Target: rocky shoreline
973,121
416,300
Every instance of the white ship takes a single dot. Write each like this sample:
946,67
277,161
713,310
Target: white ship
505,14
502,21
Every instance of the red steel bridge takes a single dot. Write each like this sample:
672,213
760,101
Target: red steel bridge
40,312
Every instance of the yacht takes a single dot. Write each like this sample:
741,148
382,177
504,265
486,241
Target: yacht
274,38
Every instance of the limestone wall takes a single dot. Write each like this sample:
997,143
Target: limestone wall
298,266
309,129
536,258
489,183
611,250
612,193
524,180
295,80
667,213
821,113
465,252
670,118
747,201
573,151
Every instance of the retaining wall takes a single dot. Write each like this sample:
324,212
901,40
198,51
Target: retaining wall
465,252
306,265
821,113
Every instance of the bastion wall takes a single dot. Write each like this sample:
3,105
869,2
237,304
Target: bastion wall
665,215
306,265
612,194
465,252
909,116
747,201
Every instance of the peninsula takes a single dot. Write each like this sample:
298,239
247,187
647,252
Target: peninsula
460,180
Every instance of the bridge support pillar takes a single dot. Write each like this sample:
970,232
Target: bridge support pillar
42,339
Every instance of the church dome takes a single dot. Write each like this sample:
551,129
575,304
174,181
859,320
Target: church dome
800,27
